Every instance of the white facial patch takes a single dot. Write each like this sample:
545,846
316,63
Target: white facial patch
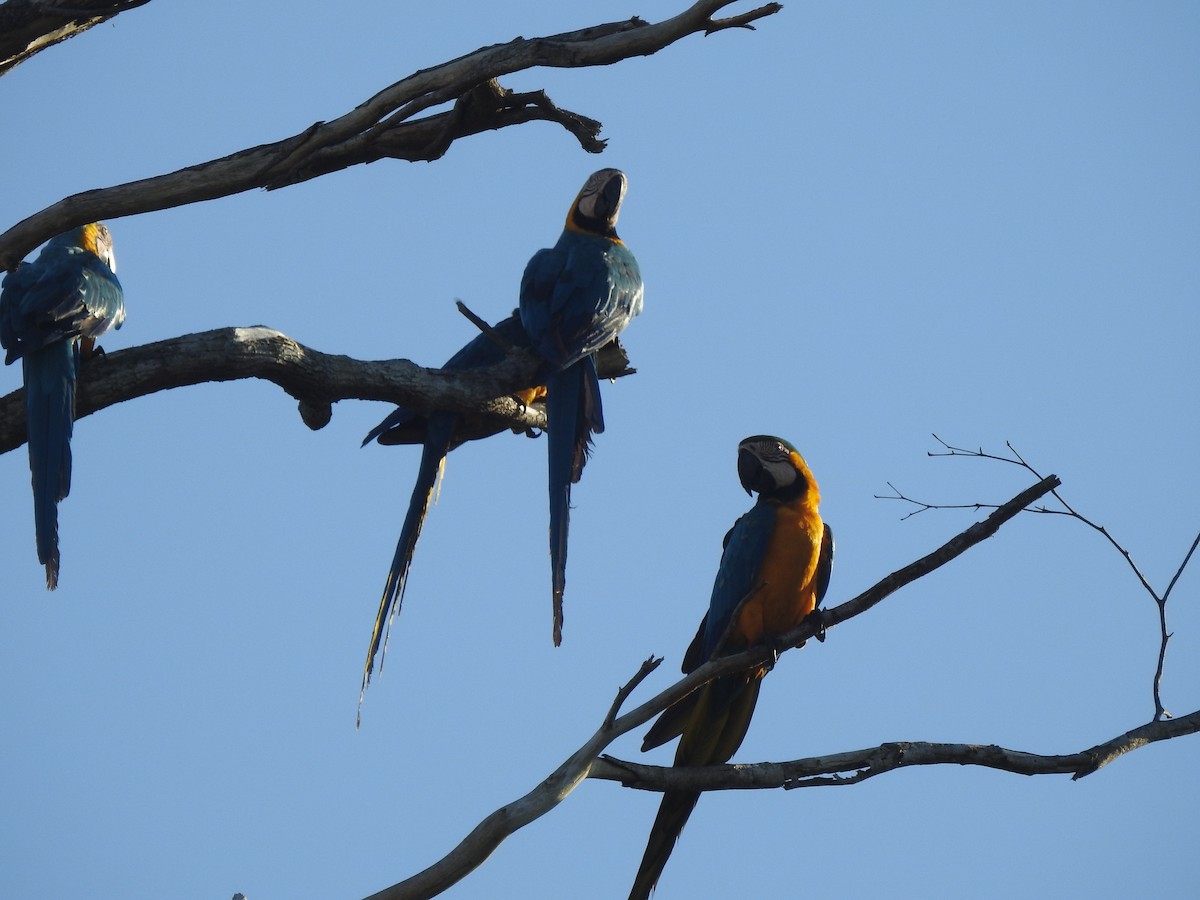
591,193
104,248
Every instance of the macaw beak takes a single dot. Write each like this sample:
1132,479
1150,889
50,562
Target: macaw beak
750,470
612,195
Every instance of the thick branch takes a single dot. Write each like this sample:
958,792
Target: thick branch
859,765
30,26
491,832
381,126
314,378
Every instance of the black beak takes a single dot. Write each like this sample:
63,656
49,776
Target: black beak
750,470
611,195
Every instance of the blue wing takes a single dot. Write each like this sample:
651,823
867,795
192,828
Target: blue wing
66,292
741,560
578,296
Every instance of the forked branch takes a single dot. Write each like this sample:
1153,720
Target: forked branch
1015,458
388,124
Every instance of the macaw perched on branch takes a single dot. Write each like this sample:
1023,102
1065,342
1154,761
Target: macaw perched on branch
443,431
67,297
774,571
576,297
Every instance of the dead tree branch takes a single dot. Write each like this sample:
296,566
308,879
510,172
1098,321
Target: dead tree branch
28,27
954,547
317,380
384,125
1160,599
852,767
477,846
491,832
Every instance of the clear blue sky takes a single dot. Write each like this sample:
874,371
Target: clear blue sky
858,225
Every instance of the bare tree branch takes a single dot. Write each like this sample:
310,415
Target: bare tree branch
317,380
30,26
954,547
383,126
491,832
477,846
1069,511
852,767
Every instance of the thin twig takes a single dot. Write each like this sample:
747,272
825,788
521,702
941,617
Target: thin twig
648,666
1165,635
498,339
1068,510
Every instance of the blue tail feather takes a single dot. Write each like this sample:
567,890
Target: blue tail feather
436,446
573,412
50,412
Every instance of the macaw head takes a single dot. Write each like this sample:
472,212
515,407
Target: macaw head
596,208
98,239
94,238
774,469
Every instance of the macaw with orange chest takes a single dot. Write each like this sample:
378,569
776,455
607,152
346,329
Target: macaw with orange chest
576,297
66,298
774,571
440,432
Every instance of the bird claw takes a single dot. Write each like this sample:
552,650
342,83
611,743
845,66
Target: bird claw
88,348
776,647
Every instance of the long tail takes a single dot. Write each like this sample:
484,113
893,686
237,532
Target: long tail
574,413
718,718
50,411
437,442
673,814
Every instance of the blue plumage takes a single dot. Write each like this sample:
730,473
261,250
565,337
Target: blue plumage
69,294
745,547
439,432
575,298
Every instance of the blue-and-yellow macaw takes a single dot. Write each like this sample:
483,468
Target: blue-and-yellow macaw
774,571
441,431
68,296
575,297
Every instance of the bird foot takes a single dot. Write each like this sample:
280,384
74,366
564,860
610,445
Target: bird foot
89,349
820,614
776,647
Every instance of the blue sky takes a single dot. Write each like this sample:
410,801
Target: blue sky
859,225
